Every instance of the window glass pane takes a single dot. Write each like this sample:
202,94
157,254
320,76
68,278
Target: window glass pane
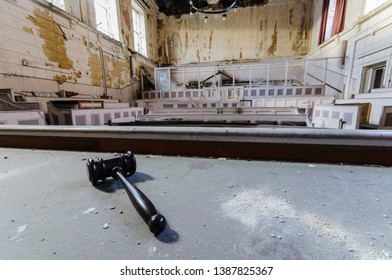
139,30
372,4
58,3
373,77
106,17
331,14
378,76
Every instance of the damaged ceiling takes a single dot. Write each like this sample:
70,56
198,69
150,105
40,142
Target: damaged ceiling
175,7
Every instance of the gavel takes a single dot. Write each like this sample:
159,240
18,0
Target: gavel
118,167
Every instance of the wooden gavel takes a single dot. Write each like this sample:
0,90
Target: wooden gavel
118,167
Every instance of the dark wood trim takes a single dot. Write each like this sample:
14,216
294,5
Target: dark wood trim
242,150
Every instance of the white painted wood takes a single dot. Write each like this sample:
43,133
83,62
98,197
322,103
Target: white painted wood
377,102
27,117
338,117
386,120
74,116
265,118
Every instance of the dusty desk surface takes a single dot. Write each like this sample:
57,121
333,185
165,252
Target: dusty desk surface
215,208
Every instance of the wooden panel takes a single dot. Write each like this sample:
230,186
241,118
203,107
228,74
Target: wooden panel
338,117
284,152
386,120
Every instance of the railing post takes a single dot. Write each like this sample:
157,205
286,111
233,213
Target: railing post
169,78
305,70
325,73
233,76
286,73
215,76
183,77
268,73
198,80
250,76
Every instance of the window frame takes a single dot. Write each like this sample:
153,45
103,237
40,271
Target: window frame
60,7
112,32
333,17
139,32
330,17
369,73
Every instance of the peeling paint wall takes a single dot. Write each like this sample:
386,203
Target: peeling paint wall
125,16
278,29
46,49
54,38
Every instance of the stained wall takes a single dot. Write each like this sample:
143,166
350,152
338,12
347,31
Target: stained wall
46,49
278,29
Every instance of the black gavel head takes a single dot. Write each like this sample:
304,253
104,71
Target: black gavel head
157,224
100,169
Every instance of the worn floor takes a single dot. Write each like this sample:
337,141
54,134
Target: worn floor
216,209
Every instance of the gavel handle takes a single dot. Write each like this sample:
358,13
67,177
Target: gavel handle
142,204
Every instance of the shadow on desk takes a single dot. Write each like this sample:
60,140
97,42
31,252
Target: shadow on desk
168,235
112,185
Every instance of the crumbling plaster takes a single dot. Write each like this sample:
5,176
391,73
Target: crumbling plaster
47,49
278,29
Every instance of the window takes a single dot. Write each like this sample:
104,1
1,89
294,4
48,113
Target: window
139,29
70,6
106,17
372,4
373,76
330,16
332,19
58,3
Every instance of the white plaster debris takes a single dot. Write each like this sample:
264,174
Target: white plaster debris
22,229
150,156
89,211
339,235
252,206
267,207
16,235
152,251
